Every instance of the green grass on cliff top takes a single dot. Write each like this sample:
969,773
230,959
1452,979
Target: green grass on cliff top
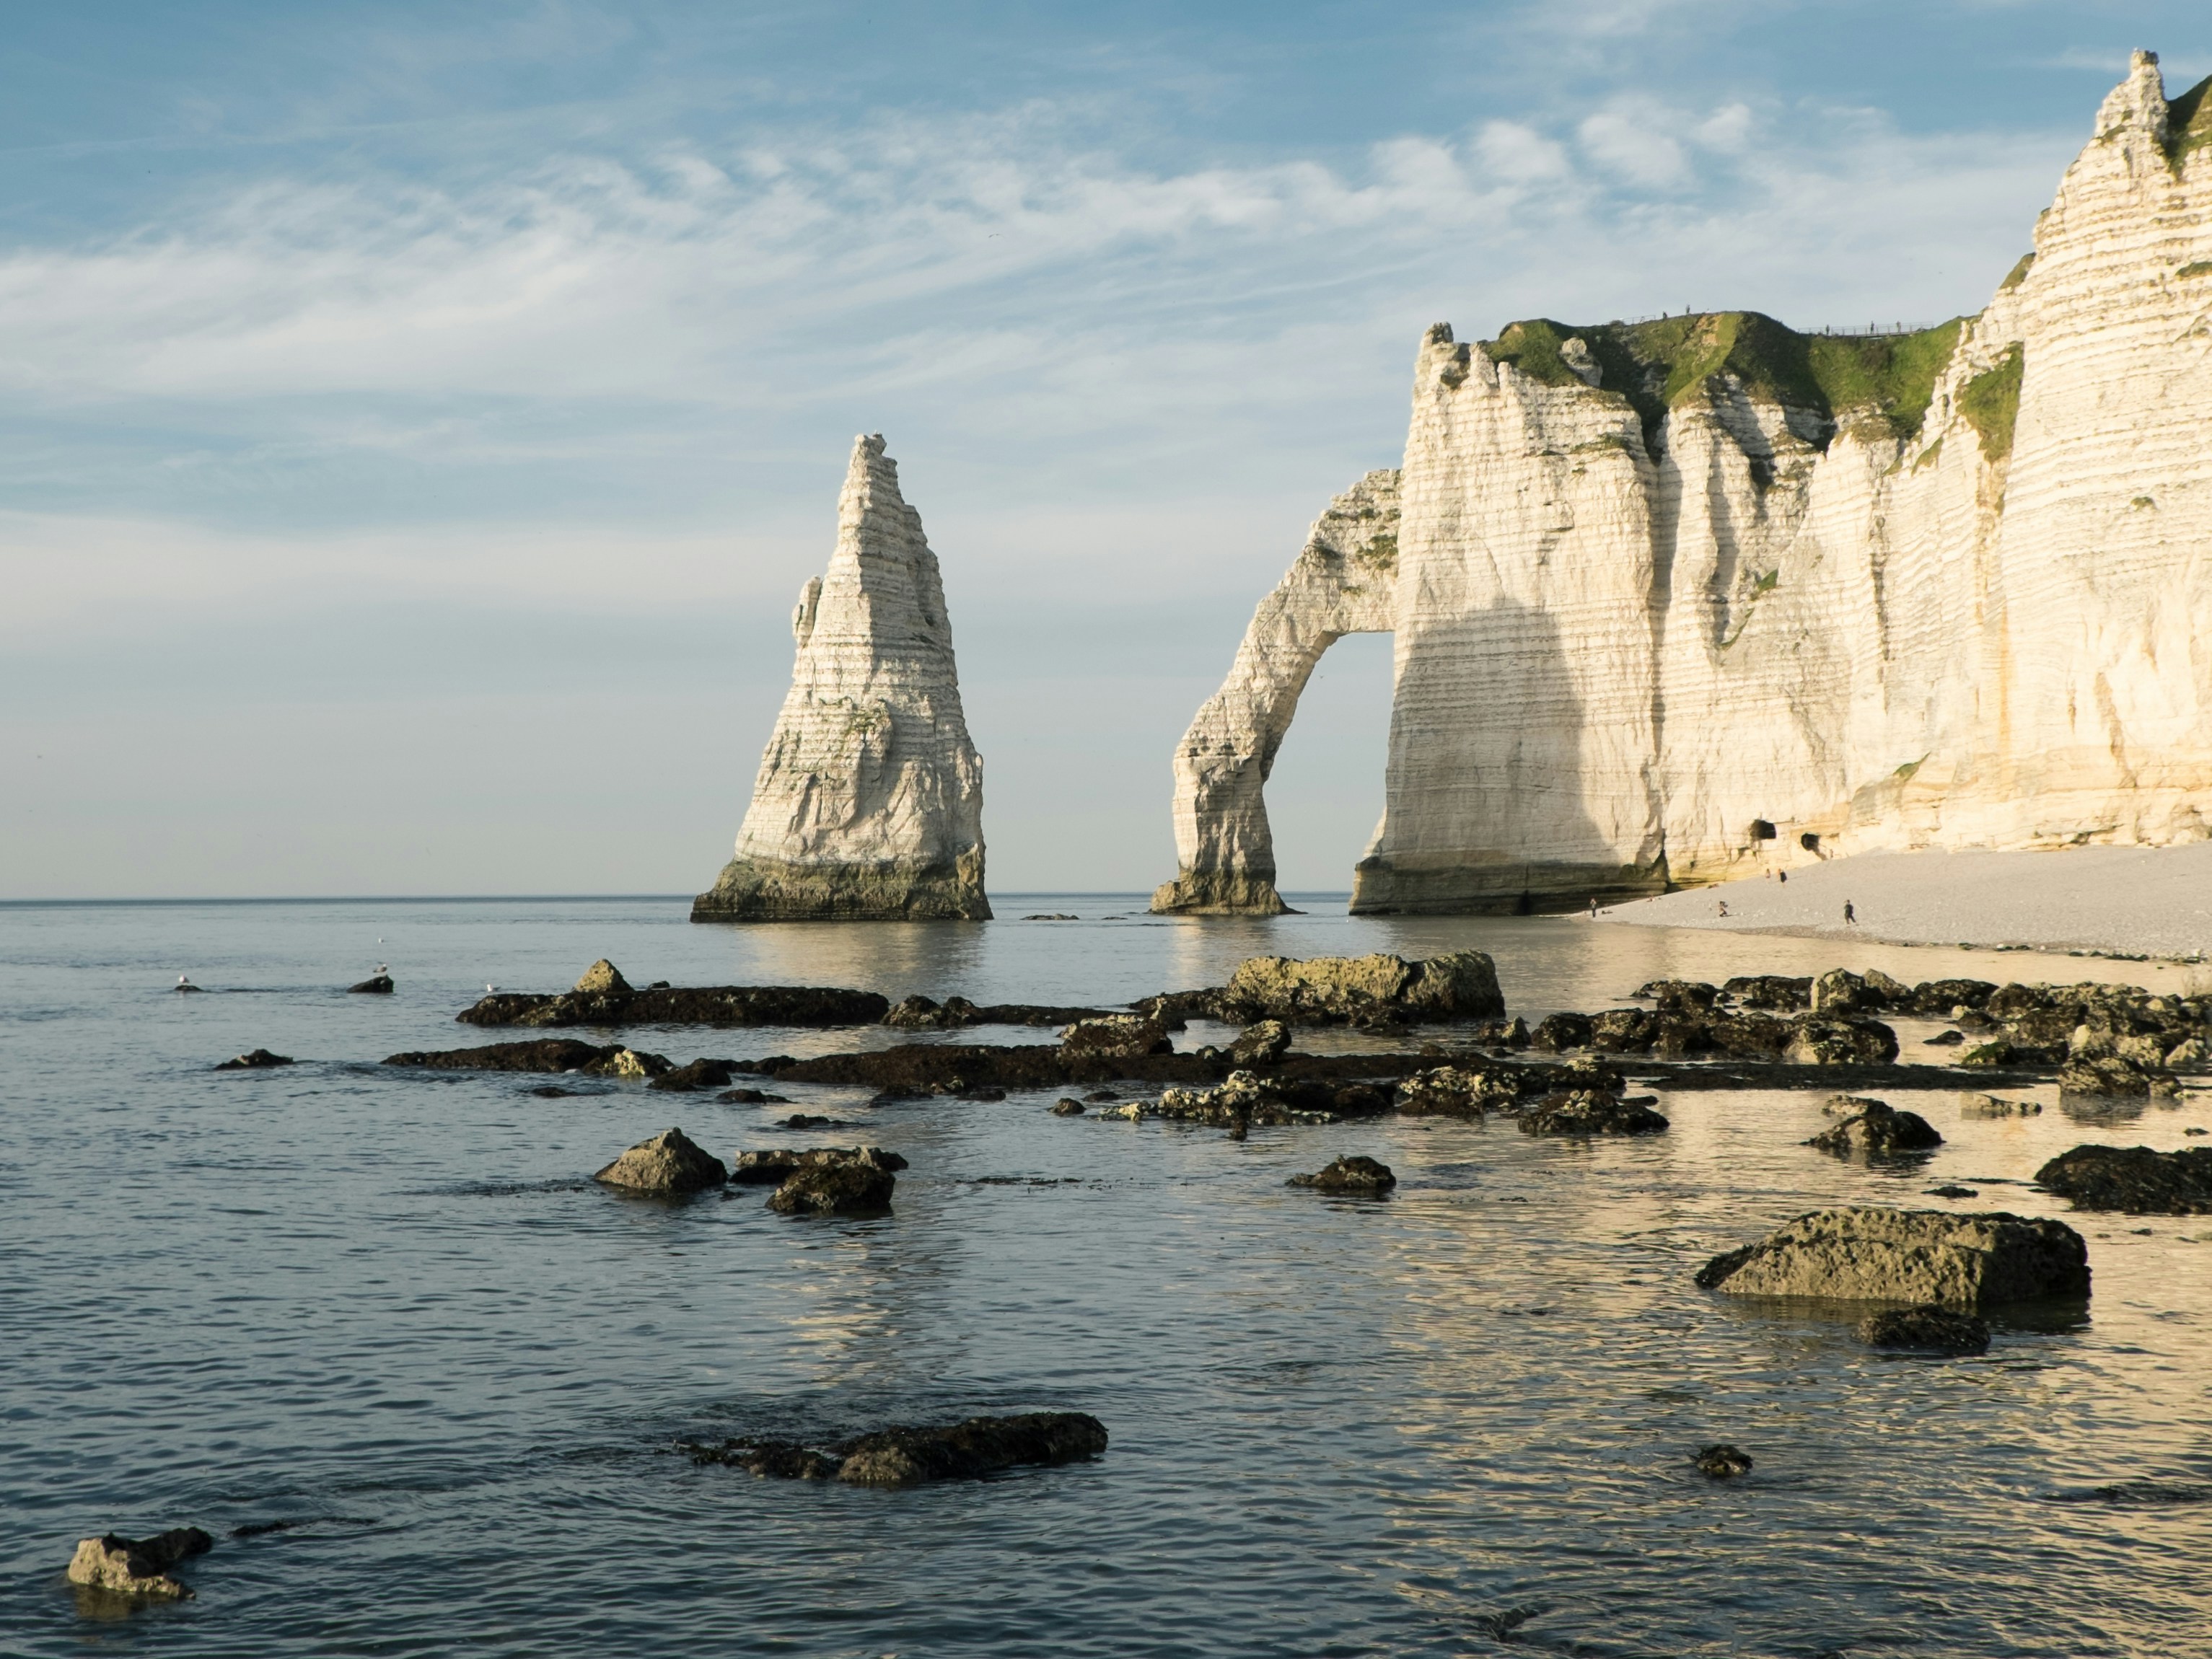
1886,379
2189,120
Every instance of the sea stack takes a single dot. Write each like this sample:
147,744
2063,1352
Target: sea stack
869,805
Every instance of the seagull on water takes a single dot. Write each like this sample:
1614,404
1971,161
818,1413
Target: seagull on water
489,986
381,968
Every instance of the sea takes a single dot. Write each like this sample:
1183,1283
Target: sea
377,1331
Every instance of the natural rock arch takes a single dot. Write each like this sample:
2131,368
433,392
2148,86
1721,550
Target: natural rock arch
1344,581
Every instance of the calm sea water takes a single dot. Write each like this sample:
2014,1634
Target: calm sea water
391,1308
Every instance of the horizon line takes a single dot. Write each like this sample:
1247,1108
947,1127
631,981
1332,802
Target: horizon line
561,898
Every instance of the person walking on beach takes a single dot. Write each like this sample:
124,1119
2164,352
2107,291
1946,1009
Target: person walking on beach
1851,916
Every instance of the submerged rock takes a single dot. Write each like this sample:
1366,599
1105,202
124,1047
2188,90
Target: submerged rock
669,1162
1590,1112
1066,1107
1353,1175
138,1567
603,997
1872,1128
1722,1461
906,1456
699,1074
545,1054
1992,1106
1871,1255
1929,1328
776,1164
2115,1076
2132,1180
376,985
752,1097
259,1059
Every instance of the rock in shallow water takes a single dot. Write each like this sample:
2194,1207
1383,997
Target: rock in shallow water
259,1059
1908,1255
376,985
1872,1128
851,1188
2132,1180
137,1566
1355,1176
1722,1461
670,1163
1928,1329
1590,1112
907,1456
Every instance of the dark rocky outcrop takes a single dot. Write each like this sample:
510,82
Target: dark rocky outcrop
1474,1089
1116,1037
1064,1107
1839,993
1373,990
671,1163
1245,1098
1929,1328
1818,1040
2132,1180
376,985
604,997
2115,1077
752,1097
1261,1043
777,1165
906,1456
1872,1128
1991,1106
919,1013
260,1060
1908,1255
1556,1033
848,1187
1590,1112
1770,991
138,1567
1680,996
545,1054
1352,1175
1722,1461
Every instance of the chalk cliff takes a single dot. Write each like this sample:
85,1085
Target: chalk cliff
1678,601
869,803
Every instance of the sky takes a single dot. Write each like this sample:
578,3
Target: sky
417,421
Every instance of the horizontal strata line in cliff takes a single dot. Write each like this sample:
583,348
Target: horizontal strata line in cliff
1695,598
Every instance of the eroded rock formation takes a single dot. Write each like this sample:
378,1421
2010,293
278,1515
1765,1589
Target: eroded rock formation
1680,601
1343,583
869,803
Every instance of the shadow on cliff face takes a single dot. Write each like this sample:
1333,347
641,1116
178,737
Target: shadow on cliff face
1511,788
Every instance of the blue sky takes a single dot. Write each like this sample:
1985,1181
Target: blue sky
418,419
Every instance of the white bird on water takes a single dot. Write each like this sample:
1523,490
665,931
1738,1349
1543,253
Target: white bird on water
488,987
381,968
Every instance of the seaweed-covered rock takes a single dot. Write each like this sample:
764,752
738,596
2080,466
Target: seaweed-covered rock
376,985
1993,1106
779,1164
1769,991
1929,1328
1363,990
905,1456
1116,1036
2132,1180
1823,1041
1455,1091
1871,1255
2115,1076
545,1054
1261,1043
671,1163
1996,1054
1352,1175
1722,1461
604,997
138,1567
259,1059
1680,995
699,1074
1872,1128
1066,1107
1556,1033
1938,999
847,1186
1590,1112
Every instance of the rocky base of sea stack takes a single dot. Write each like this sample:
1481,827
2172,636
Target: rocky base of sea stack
767,890
1219,893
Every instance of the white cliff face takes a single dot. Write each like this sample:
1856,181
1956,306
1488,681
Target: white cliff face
1343,583
1678,604
869,801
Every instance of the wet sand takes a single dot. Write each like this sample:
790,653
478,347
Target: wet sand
2141,902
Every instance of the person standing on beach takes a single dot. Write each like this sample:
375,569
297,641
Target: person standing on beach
1851,916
